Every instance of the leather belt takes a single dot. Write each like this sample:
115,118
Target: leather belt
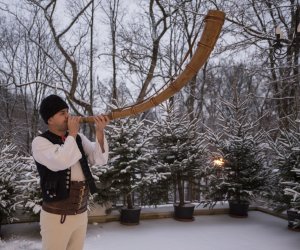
76,203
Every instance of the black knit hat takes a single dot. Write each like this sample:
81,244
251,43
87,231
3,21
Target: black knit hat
50,106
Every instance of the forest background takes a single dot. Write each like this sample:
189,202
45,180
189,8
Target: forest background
101,55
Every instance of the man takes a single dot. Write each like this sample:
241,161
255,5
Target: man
62,156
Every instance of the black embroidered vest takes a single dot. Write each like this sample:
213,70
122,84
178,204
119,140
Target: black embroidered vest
56,185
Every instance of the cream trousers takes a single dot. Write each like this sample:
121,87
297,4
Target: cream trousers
67,236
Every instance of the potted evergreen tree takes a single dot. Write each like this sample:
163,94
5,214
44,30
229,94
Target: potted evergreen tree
286,192
29,188
181,153
6,200
243,172
9,167
127,169
293,191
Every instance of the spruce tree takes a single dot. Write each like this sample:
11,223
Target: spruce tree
180,148
9,166
128,167
28,186
286,149
240,145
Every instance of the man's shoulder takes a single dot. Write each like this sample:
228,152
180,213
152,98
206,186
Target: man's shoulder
39,142
43,137
41,134
39,138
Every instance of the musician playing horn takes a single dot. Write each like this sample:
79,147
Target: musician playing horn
62,156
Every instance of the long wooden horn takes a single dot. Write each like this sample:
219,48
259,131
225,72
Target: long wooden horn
214,21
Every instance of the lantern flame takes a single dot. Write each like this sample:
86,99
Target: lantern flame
219,162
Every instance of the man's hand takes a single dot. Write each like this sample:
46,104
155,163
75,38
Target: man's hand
101,121
73,125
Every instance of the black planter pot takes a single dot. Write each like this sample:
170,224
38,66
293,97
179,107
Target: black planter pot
293,220
130,216
238,209
184,213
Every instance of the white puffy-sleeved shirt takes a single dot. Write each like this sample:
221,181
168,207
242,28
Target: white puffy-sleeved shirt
60,157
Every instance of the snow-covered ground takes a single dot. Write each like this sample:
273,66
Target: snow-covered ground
208,232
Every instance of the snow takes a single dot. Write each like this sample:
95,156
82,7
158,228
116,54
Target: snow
259,231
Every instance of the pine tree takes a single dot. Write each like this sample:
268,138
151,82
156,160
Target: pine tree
128,167
9,167
180,148
28,186
286,193
243,173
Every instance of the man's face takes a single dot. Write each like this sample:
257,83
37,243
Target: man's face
60,120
